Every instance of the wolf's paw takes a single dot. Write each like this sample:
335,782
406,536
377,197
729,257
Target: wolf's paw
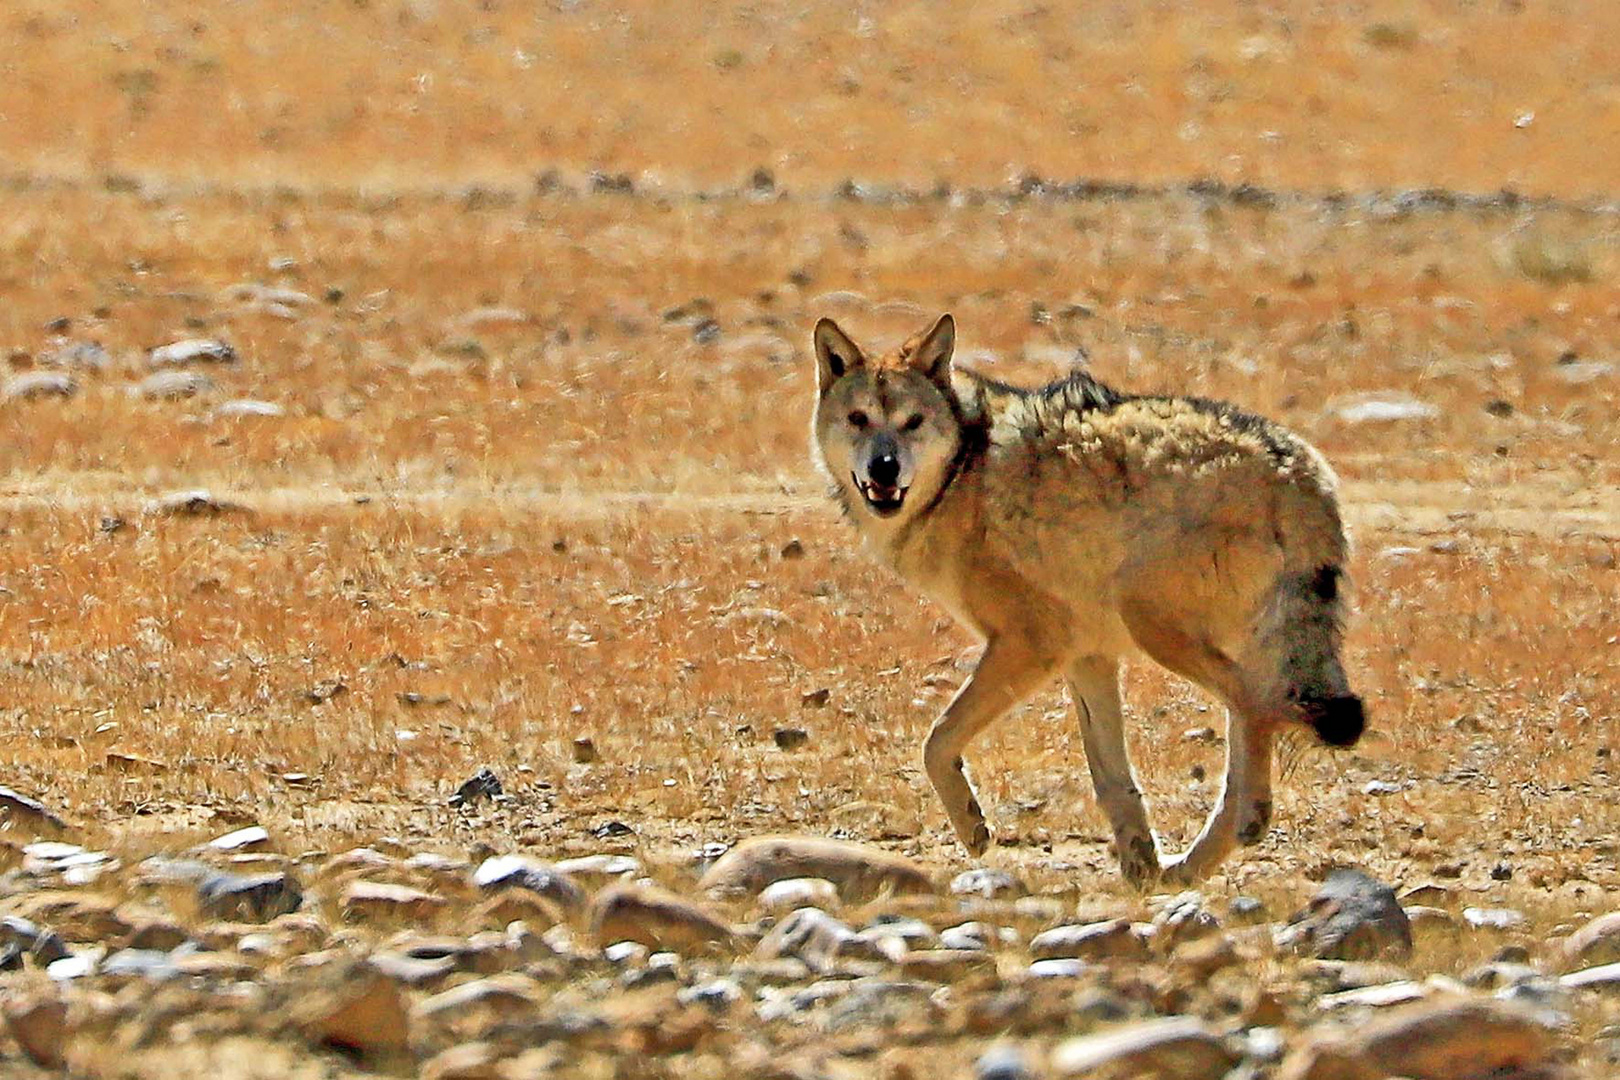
978,841
1139,863
1177,872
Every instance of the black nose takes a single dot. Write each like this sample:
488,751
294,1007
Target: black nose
884,470
1339,721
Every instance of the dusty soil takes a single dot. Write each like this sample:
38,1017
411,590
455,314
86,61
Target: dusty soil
531,334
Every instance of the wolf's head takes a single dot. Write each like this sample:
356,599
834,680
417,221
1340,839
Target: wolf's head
887,429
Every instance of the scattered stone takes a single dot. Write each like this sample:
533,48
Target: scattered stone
1184,918
505,996
1205,956
1443,1041
1003,1062
1381,996
192,351
1492,918
39,1024
972,935
817,698
195,503
362,1010
249,898
1179,1047
1381,407
1110,940
600,869
790,738
380,900
524,872
44,945
252,838
810,935
483,784
489,318
174,385
1602,977
1598,942
790,893
28,812
656,918
584,751
242,408
1352,917
77,916
1058,969
857,871
987,883
151,964
469,1061
946,965
40,384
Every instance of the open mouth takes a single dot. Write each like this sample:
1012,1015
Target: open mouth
883,500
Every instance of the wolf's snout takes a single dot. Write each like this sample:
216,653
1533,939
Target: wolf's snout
1337,721
884,470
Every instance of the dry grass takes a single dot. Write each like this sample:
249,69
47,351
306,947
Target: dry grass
500,536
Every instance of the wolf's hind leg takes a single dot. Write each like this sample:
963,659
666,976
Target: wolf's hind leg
1007,673
1094,685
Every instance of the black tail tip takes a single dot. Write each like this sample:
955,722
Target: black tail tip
1337,721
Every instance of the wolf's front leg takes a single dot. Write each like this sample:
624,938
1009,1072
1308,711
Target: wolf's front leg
1008,672
1094,685
1243,811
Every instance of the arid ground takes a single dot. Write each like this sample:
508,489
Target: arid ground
526,293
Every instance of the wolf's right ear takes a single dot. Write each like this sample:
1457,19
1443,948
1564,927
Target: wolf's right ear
836,355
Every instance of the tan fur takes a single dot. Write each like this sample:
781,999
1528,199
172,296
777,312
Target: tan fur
1073,526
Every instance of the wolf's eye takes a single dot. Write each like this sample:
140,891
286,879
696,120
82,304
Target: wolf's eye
857,419
913,422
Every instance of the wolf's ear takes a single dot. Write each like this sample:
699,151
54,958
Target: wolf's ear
932,356
836,355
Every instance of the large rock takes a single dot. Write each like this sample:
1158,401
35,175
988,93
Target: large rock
1178,1048
384,901
1353,916
1113,939
856,870
39,1024
521,871
1458,1040
1598,942
810,934
361,1010
655,918
249,897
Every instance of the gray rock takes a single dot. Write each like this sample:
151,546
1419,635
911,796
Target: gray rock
151,964
173,385
809,934
1352,917
39,384
1180,1047
716,994
39,942
520,871
1003,1062
244,407
988,883
192,351
1115,938
249,898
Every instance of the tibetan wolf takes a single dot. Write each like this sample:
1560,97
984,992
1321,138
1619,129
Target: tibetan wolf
1074,525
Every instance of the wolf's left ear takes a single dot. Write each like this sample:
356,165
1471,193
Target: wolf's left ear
932,356
836,355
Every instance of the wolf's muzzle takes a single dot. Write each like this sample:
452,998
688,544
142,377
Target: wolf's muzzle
1337,721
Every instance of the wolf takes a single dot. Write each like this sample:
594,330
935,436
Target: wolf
1074,525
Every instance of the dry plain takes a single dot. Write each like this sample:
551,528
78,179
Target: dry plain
529,292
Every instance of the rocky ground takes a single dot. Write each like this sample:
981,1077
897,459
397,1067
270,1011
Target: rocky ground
784,957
